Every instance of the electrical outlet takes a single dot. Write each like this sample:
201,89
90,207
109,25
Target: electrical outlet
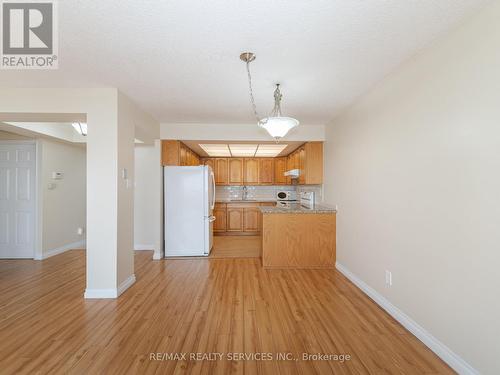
79,231
388,278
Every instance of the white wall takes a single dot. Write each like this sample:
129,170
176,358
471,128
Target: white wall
131,121
64,206
414,166
236,132
148,199
6,136
145,202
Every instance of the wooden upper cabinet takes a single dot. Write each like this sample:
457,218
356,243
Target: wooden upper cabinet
221,177
235,171
210,162
170,152
296,160
288,167
177,153
195,160
266,171
251,171
308,159
313,163
302,164
183,155
279,171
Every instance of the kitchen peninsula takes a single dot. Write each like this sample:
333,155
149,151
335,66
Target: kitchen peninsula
298,237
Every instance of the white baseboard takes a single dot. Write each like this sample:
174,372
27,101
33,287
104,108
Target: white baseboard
100,293
139,247
110,293
157,256
59,250
441,350
127,283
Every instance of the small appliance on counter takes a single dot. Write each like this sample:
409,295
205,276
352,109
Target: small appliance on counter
285,197
307,199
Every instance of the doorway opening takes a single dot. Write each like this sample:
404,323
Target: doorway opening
42,189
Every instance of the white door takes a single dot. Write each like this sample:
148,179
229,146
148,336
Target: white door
17,200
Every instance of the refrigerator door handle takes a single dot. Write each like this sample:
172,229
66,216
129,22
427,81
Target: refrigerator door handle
213,189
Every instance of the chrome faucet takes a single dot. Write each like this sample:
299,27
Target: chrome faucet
245,193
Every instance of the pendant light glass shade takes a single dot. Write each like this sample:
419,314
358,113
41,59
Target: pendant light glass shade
276,124
278,127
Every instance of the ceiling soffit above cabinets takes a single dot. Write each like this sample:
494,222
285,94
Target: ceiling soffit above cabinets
243,150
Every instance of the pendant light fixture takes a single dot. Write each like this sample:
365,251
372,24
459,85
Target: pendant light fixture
276,124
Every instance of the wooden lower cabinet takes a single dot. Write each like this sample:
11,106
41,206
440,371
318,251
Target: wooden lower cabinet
238,218
251,219
220,217
234,219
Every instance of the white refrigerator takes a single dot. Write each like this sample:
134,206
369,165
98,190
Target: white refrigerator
189,196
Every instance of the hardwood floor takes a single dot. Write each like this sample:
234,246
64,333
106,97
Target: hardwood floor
236,247
207,305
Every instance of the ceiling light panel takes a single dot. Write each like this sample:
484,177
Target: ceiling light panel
220,150
270,151
243,150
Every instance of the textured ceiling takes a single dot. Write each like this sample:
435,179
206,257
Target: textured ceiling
179,59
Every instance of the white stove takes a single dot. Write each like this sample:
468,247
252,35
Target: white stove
307,199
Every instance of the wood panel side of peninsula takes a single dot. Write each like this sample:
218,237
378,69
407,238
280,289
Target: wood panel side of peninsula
295,240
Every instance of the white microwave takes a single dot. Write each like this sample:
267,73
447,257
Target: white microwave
286,195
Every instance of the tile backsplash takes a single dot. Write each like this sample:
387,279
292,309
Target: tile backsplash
254,192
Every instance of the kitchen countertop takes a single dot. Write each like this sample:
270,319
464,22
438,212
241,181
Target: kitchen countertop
297,208
245,201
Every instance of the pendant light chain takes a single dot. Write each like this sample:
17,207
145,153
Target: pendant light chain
254,106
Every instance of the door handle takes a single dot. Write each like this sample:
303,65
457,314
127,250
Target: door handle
213,189
211,219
